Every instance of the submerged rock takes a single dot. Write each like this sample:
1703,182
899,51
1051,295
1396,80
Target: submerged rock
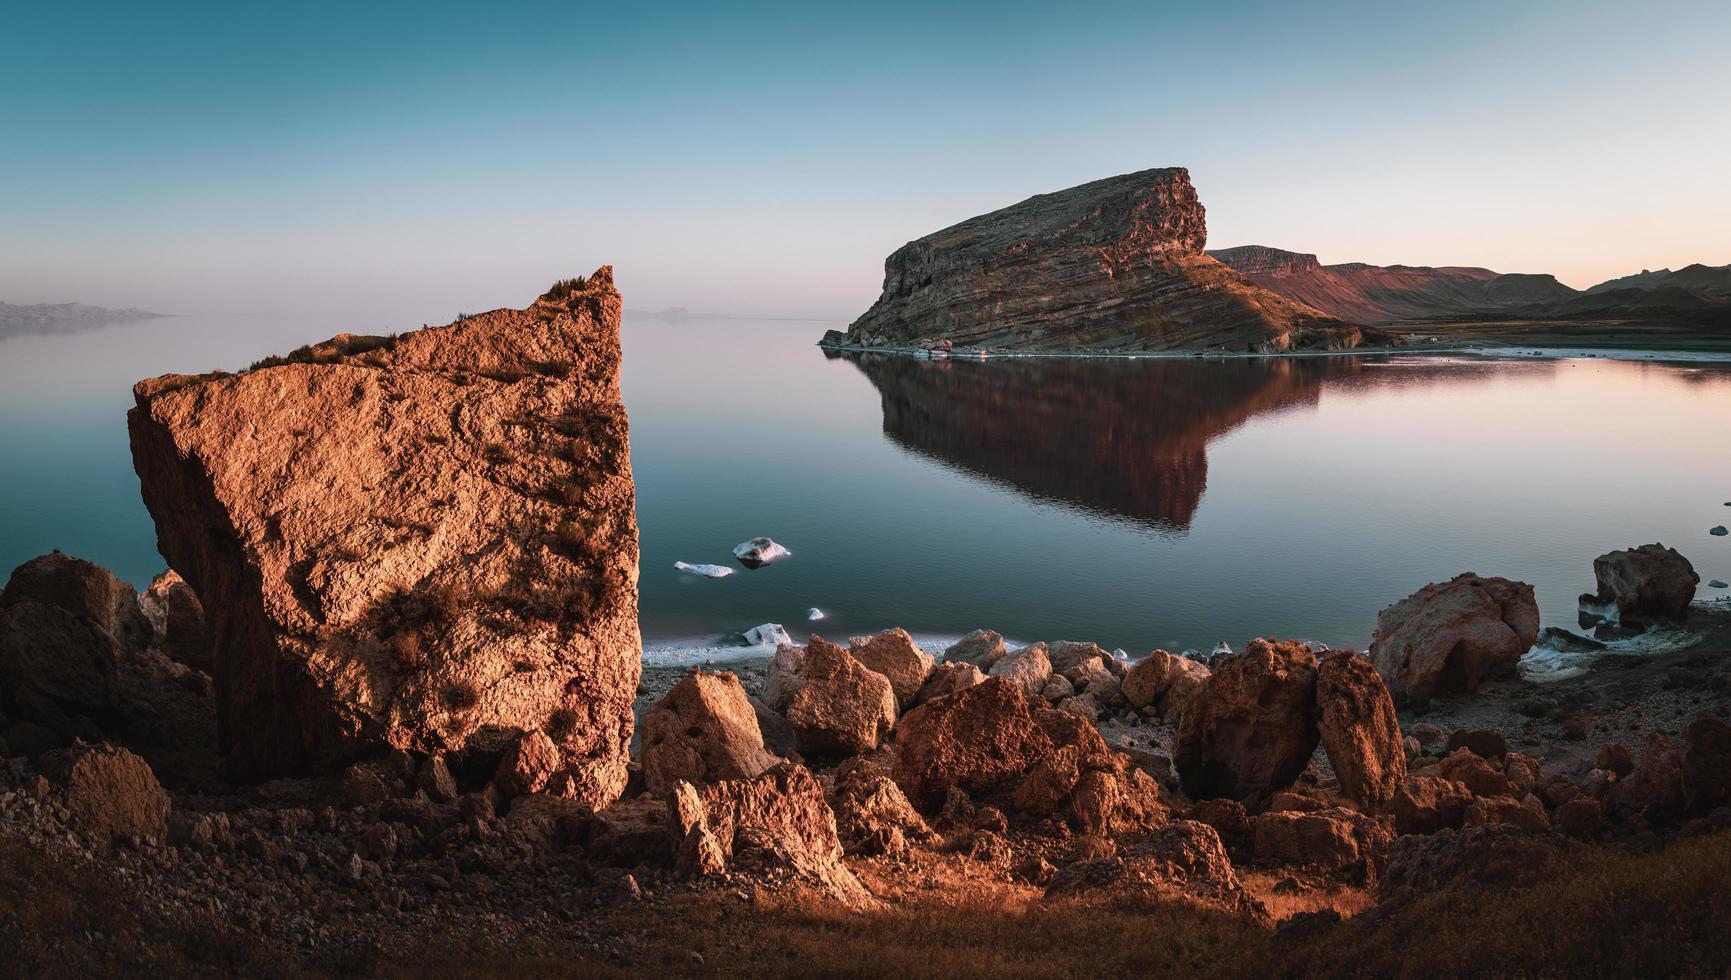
707,571
759,552
1115,264
1449,636
771,635
425,542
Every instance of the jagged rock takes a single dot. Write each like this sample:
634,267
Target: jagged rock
1067,655
435,779
111,793
978,740
1504,809
66,627
894,654
1427,804
177,621
1027,668
1082,706
1330,839
778,736
1184,855
1580,817
1496,854
784,678
1116,264
1448,636
1640,586
527,765
1359,730
778,819
873,815
703,729
1655,788
1707,763
982,648
947,679
1251,728
1146,680
1615,757
1480,777
842,708
1057,689
424,542
629,832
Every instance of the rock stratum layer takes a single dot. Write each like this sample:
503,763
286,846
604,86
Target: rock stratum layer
1112,265
425,542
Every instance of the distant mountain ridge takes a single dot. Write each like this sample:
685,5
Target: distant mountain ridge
1366,293
41,318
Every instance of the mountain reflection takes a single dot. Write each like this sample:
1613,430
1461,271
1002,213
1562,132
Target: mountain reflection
1122,437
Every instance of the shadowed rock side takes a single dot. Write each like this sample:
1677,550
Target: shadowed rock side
1112,265
425,542
1126,438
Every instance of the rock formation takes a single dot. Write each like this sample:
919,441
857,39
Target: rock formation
702,730
1448,636
110,792
894,654
1638,587
841,707
424,542
1251,727
1115,264
1360,732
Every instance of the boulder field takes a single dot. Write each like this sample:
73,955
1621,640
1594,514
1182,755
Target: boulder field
423,542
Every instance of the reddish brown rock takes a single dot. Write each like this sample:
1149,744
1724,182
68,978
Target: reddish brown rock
1115,264
894,654
982,648
1227,817
1615,757
1640,586
424,542
841,708
1359,730
873,815
1449,636
703,729
1427,804
1504,809
1484,743
1580,817
1327,840
177,621
1654,789
978,740
1027,668
786,675
1251,728
111,793
947,679
1479,775
778,819
528,765
66,628
1707,763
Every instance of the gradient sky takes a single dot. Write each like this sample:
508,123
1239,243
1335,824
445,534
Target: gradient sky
377,158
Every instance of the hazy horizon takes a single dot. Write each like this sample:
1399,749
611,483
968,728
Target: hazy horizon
209,159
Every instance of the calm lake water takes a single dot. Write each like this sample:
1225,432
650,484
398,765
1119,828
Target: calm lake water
1160,502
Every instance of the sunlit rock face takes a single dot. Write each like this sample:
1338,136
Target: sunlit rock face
1123,438
424,542
1115,265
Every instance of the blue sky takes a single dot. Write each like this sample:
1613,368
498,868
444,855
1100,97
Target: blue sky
764,158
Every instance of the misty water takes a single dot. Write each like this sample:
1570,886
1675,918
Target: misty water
1139,503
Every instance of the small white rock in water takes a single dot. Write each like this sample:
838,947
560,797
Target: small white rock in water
1222,649
768,635
759,552
814,614
707,571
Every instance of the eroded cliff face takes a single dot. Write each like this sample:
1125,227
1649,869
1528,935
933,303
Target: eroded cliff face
425,542
1112,265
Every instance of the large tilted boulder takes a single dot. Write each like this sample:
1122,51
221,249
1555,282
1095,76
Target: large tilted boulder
841,708
702,730
1638,587
1251,728
1449,636
894,654
66,627
1359,730
422,542
777,820
111,793
1115,264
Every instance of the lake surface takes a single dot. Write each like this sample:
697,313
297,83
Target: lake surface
1138,503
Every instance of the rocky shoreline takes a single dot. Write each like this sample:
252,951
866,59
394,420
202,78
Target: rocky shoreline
394,720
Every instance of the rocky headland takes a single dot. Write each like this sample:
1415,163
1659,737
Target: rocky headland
380,720
55,318
1115,265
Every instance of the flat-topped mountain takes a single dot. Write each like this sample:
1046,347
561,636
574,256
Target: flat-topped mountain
1112,265
43,318
1389,294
